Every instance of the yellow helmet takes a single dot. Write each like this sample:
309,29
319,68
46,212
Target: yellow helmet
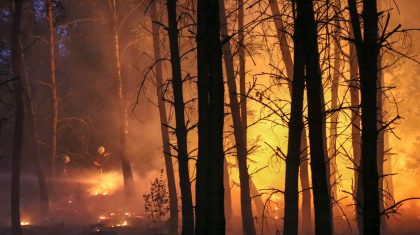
67,159
101,149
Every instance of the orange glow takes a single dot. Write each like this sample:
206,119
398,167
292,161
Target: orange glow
105,184
25,223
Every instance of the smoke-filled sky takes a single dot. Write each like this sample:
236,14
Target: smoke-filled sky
89,114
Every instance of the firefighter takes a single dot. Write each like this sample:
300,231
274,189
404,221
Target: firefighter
67,161
101,159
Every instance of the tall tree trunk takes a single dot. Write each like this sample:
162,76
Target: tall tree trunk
355,131
246,207
332,150
30,110
243,104
304,175
367,55
19,118
173,199
291,196
53,86
210,192
316,121
180,130
122,106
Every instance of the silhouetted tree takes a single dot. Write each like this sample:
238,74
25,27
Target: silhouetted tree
209,208
291,196
316,121
173,199
304,175
180,129
368,47
238,129
356,139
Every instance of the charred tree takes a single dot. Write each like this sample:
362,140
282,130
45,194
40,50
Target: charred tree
291,196
368,47
316,121
209,208
53,85
16,228
122,104
241,150
173,199
181,129
304,175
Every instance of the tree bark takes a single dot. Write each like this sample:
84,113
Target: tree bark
367,55
355,131
34,142
316,120
291,196
173,199
53,86
246,207
332,150
306,222
122,105
181,129
210,192
19,118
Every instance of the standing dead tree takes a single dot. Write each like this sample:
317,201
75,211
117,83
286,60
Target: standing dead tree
209,208
316,120
304,175
180,129
367,47
238,128
173,199
291,196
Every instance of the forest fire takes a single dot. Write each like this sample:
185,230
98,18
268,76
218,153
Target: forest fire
104,184
209,117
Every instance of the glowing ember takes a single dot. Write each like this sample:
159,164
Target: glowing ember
120,219
25,223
